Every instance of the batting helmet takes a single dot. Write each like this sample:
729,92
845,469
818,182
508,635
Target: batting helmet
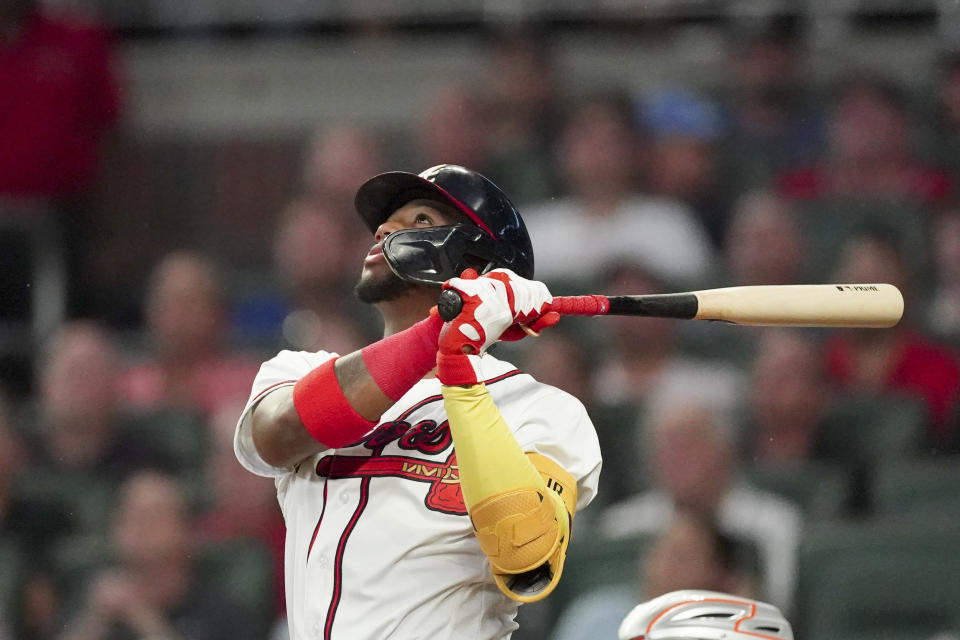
695,614
495,235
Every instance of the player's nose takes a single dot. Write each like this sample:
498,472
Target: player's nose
386,229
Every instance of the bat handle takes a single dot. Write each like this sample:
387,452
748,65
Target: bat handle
449,305
589,305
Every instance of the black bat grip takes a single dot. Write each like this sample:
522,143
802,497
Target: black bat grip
449,305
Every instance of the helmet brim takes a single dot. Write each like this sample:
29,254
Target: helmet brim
381,195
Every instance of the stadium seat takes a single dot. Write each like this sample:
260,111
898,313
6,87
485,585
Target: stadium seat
74,560
177,439
624,472
241,570
869,429
12,562
593,563
821,489
82,501
828,224
917,488
878,580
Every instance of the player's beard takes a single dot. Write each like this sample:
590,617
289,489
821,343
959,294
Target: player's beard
374,289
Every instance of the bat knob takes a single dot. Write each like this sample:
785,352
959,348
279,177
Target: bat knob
449,305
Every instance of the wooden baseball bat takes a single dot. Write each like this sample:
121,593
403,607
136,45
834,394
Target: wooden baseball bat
793,305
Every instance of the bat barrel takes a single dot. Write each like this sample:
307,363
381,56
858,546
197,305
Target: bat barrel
813,305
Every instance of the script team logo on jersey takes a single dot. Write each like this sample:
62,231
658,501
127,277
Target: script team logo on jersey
427,436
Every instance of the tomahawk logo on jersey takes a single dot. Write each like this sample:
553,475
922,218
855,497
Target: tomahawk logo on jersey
383,519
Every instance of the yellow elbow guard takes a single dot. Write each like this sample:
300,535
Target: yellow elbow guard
525,532
519,530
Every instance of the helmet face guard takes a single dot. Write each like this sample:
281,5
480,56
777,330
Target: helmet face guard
436,254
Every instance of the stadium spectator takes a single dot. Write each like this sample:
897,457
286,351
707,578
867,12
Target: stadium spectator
690,448
61,97
60,100
187,365
770,123
943,308
788,399
563,362
338,160
24,529
645,357
310,249
12,460
684,130
240,505
764,242
521,106
691,553
943,125
80,444
871,151
603,217
453,129
897,360
152,590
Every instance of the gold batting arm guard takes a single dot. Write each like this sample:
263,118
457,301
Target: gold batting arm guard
521,505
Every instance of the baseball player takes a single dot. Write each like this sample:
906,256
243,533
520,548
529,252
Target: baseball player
694,614
422,505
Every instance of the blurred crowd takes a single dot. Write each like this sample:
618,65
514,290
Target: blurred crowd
123,513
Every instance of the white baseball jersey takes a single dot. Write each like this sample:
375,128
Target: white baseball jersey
379,544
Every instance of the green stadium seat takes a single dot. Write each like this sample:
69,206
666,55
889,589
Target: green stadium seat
592,563
12,567
917,488
878,580
241,570
624,470
827,224
179,438
871,429
821,489
178,435
83,499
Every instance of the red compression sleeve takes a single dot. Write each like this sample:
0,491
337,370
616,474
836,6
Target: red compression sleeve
325,411
397,362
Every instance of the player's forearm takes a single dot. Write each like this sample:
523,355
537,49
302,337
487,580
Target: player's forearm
488,456
339,401
278,434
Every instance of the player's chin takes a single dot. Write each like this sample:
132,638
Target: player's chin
382,286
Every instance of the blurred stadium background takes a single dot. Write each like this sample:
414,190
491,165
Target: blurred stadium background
176,183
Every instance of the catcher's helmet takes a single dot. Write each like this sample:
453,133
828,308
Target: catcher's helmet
695,614
494,237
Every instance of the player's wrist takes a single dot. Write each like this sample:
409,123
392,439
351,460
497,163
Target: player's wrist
458,369
399,361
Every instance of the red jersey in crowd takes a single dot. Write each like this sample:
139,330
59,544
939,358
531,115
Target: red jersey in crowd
58,96
921,368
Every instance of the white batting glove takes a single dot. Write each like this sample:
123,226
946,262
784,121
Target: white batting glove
492,304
